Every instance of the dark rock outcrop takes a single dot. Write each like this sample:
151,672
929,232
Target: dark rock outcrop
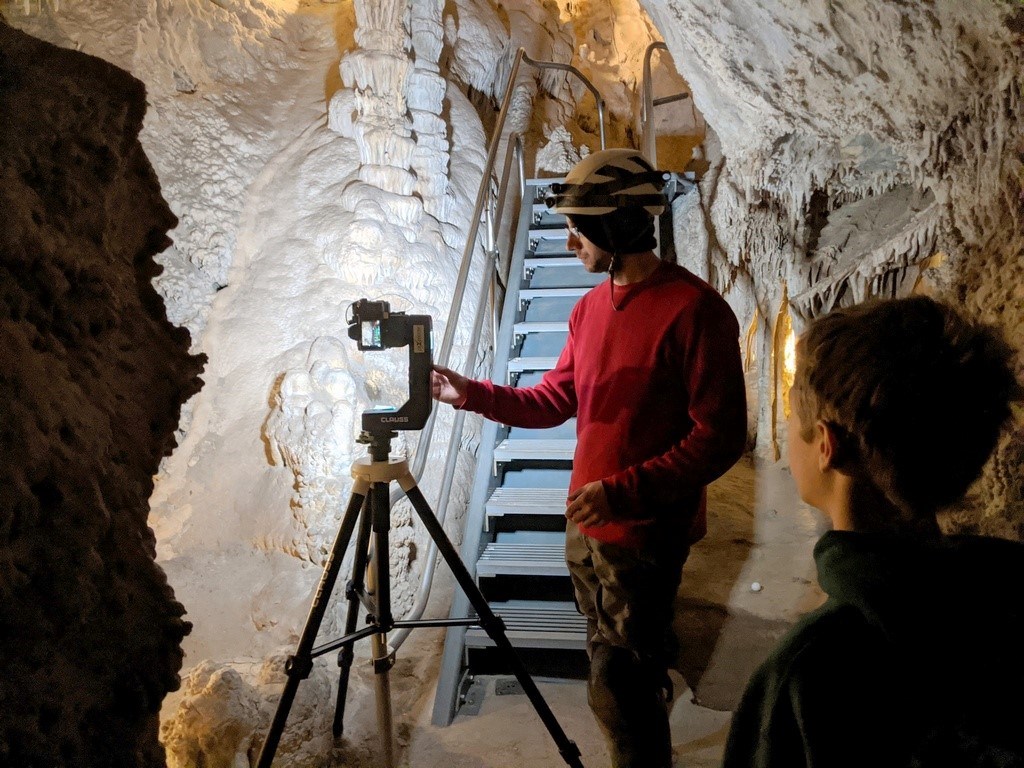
92,380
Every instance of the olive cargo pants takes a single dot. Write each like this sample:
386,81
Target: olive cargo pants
627,596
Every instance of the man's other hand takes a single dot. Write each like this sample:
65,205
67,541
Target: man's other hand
588,505
448,386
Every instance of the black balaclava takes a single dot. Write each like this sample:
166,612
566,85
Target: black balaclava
624,230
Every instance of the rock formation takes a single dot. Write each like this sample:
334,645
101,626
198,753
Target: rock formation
317,152
857,150
93,378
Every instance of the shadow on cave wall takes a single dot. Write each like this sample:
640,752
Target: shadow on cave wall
92,382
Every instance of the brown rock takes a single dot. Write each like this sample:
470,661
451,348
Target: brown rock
92,380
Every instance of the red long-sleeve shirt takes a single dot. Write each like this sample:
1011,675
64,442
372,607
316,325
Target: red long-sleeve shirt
658,393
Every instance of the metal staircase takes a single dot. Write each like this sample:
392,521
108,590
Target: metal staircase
515,527
514,540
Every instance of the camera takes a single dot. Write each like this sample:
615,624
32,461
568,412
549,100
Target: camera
374,327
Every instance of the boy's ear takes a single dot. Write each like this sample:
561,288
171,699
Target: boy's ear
830,447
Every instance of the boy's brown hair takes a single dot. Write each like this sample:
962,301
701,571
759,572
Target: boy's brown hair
916,394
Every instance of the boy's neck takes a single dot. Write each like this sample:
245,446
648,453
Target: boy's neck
854,505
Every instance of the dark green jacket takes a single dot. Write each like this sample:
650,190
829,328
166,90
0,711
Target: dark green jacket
915,659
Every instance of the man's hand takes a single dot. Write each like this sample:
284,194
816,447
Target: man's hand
589,506
448,386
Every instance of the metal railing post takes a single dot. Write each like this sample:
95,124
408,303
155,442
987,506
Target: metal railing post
514,149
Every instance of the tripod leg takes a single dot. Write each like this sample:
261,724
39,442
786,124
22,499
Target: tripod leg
383,659
494,627
299,665
355,587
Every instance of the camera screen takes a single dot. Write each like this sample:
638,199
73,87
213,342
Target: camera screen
370,335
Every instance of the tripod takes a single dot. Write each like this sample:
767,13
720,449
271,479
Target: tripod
369,506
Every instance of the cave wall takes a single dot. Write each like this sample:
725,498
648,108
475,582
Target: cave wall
92,381
858,149
822,120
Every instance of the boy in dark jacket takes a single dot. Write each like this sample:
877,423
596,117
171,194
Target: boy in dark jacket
915,658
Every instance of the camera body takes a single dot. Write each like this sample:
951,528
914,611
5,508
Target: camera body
374,327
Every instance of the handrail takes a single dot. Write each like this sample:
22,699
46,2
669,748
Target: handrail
514,148
426,435
648,103
589,85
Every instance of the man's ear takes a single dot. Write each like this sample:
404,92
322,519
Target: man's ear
830,450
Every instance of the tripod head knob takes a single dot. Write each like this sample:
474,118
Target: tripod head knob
379,442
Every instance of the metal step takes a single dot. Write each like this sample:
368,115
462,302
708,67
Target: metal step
542,216
548,246
530,379
557,232
520,364
568,273
560,259
526,501
524,449
550,309
523,559
540,326
536,624
529,294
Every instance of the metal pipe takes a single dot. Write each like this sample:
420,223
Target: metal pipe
669,99
647,106
451,460
427,433
422,446
583,78
489,277
648,103
514,149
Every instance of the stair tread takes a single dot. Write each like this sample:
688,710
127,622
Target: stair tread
541,326
522,559
528,294
526,501
563,260
497,550
511,449
536,624
569,273
556,231
520,364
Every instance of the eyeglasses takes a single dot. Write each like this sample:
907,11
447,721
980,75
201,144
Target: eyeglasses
573,231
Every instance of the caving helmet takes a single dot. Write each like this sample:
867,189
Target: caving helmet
612,197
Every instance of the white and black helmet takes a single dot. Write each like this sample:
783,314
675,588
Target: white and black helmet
607,181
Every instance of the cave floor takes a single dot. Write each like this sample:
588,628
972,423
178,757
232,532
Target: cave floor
743,586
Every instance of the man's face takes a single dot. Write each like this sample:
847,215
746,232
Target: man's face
594,259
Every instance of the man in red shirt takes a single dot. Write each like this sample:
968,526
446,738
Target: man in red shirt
651,370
